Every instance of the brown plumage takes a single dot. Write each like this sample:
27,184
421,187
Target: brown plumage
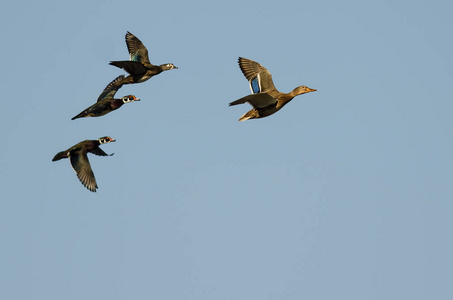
265,98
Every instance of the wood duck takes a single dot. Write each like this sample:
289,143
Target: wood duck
139,67
265,98
106,103
79,160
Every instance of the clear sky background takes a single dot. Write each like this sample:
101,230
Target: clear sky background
346,193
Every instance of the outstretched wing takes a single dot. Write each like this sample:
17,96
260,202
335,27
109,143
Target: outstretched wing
137,51
100,152
82,167
111,88
260,79
259,100
131,67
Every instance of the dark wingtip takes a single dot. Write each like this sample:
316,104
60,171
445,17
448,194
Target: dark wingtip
90,188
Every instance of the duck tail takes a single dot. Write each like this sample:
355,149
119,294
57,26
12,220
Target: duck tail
81,115
248,115
60,155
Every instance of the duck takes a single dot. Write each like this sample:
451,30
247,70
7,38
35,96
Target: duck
78,158
138,66
106,103
265,98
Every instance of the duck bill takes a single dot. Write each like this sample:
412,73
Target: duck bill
312,90
112,140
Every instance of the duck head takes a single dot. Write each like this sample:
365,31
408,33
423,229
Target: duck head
168,66
129,98
105,140
302,90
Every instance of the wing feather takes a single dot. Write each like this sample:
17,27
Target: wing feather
111,89
100,152
131,67
259,100
137,51
260,79
81,165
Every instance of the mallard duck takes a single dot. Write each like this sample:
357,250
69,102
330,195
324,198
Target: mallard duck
265,98
139,67
79,160
106,103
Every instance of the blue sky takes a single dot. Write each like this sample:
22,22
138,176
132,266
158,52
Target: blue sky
343,194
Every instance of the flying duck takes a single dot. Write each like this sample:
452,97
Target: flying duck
265,98
139,67
106,103
79,160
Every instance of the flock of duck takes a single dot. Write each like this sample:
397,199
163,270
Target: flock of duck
265,101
